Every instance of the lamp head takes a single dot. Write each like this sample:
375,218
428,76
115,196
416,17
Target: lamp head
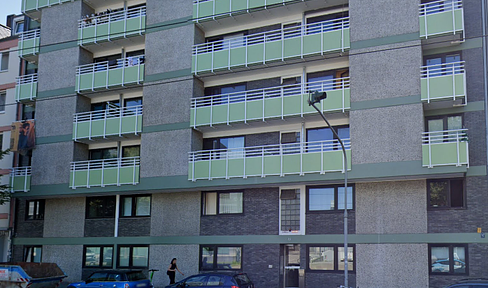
316,97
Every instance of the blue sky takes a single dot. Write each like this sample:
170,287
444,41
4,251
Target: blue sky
8,7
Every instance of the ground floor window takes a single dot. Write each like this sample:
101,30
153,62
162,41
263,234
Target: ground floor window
133,256
448,259
33,254
329,258
97,256
213,257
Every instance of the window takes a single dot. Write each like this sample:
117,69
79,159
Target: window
3,99
28,111
222,203
97,256
330,258
4,61
19,27
447,123
132,106
100,207
131,151
231,93
133,256
446,193
234,147
213,257
1,141
446,64
35,210
105,153
448,259
318,135
33,254
135,206
25,160
290,210
329,198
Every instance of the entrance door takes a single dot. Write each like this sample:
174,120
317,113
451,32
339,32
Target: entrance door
291,265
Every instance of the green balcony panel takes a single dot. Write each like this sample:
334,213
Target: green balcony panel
25,92
441,23
443,87
99,177
236,167
442,154
29,5
20,183
29,43
87,80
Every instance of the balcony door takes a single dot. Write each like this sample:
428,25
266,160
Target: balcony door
291,265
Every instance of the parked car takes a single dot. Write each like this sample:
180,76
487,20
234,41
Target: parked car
114,279
443,266
470,283
216,280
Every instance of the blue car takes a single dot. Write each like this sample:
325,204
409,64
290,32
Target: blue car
215,280
114,279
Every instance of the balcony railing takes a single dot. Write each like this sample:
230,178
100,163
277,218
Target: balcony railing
439,18
212,9
109,122
277,45
26,88
444,148
267,103
269,160
29,43
20,179
111,26
443,81
101,173
30,5
109,74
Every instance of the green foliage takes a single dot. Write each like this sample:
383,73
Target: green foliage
5,193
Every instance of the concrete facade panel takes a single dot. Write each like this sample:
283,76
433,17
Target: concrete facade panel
57,69
384,72
392,265
165,153
372,19
387,134
391,207
165,10
62,217
51,163
55,116
61,21
68,258
160,258
175,214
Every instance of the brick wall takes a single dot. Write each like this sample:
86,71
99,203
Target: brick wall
99,227
262,139
26,228
329,223
256,260
134,227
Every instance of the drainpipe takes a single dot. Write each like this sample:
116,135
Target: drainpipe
483,16
117,205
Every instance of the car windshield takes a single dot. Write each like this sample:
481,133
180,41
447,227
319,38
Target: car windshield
242,279
98,276
136,276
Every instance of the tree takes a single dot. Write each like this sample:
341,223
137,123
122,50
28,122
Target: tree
5,192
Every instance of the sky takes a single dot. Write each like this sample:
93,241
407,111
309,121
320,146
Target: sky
8,7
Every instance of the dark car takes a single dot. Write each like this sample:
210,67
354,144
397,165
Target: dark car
215,280
470,283
114,279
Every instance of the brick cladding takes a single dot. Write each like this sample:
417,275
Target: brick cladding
29,228
134,227
99,227
329,223
260,217
256,261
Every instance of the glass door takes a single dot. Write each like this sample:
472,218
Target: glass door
291,265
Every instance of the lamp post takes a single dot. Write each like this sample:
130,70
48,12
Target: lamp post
316,97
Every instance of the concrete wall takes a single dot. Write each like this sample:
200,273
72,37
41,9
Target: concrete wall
51,163
63,217
160,257
68,258
26,228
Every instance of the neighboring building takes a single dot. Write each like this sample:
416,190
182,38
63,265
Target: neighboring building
170,128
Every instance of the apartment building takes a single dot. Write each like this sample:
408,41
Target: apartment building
171,128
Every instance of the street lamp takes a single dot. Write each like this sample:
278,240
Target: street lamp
316,97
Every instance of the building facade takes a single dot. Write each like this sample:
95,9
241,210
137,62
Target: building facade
181,129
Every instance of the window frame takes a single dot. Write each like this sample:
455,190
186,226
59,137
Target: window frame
3,94
443,57
39,209
24,256
449,206
131,260
451,259
336,202
216,249
218,202
101,256
134,206
444,119
336,258
105,198
2,58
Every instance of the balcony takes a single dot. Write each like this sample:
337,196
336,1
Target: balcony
108,74
29,44
293,43
33,5
269,160
443,82
106,123
101,173
212,9
441,18
112,26
445,148
269,103
26,88
20,179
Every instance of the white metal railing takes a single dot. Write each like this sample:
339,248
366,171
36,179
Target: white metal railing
107,65
117,163
28,35
439,6
439,70
20,172
104,115
448,136
108,17
248,6
274,35
27,79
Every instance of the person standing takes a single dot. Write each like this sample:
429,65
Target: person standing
172,271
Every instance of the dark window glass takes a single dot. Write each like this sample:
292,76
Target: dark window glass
98,256
25,160
446,193
133,256
4,61
100,207
215,257
290,210
131,206
35,210
106,153
28,111
131,151
32,254
448,259
229,93
329,198
330,258
222,203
